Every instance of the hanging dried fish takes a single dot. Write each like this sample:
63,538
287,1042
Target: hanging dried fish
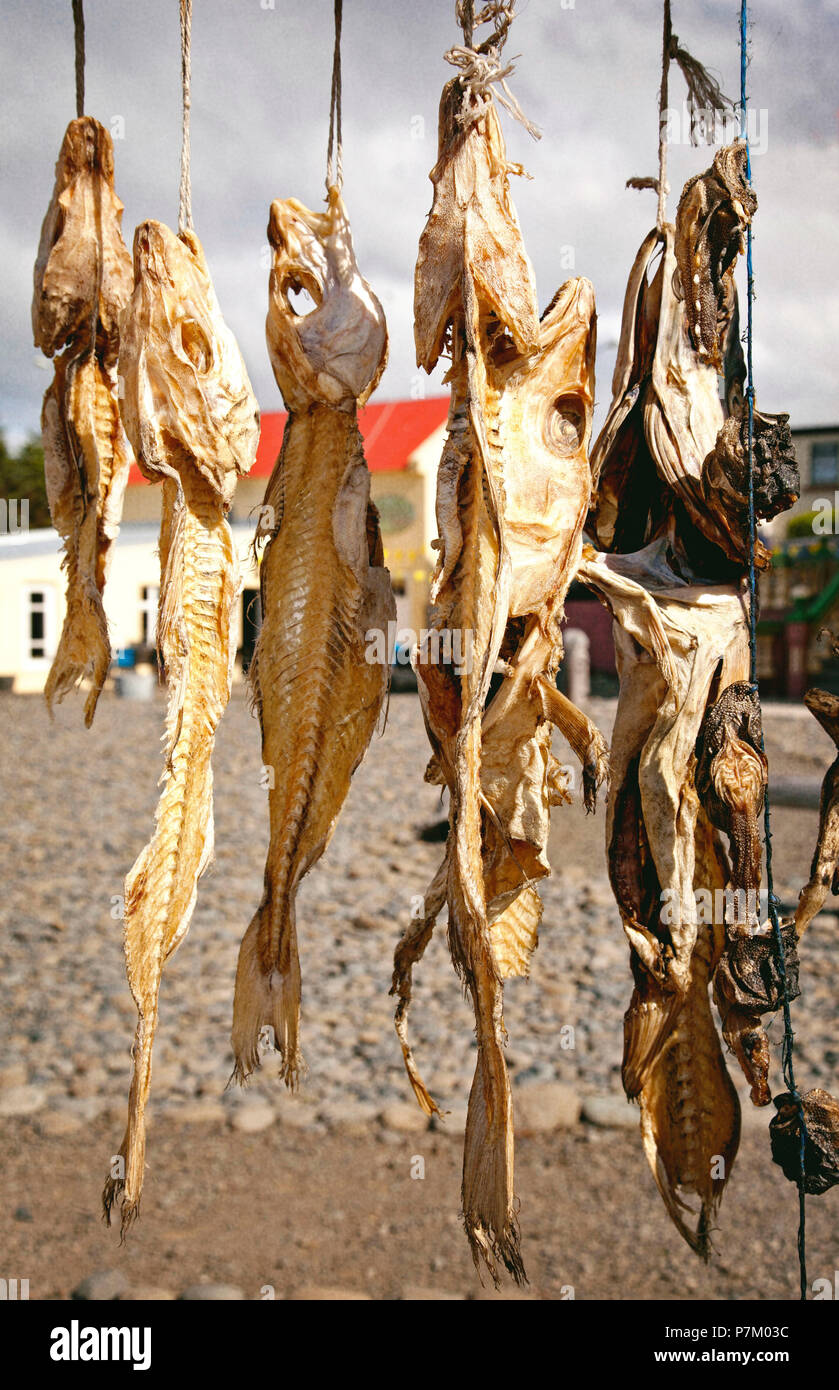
324,592
513,488
824,870
821,1140
82,283
192,417
672,502
731,775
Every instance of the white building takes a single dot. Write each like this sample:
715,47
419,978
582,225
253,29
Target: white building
403,440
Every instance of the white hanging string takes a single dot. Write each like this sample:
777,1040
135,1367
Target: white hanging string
185,193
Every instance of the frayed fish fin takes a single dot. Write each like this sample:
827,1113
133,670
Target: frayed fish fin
647,1025
409,953
125,1187
489,1205
585,739
265,998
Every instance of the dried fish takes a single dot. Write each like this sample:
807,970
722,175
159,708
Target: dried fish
192,417
731,775
671,504
324,590
513,489
821,1140
824,870
82,282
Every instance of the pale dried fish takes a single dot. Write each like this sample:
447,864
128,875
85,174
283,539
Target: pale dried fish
671,476
513,488
824,870
324,591
82,282
192,417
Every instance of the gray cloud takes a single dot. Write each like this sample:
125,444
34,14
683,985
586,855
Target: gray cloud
588,75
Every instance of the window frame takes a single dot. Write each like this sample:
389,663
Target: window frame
824,444
48,609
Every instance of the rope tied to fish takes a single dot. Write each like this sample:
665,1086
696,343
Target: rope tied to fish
705,101
78,39
335,147
185,190
483,75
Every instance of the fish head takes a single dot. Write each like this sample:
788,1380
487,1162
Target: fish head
336,353
186,398
81,255
472,231
546,407
714,211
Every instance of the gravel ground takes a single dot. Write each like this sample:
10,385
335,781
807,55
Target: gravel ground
82,806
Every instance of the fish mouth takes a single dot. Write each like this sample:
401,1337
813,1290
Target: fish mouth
335,351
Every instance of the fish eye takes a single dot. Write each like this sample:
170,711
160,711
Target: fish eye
566,425
196,345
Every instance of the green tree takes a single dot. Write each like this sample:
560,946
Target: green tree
22,476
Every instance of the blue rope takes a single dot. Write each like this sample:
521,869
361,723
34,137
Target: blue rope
788,1043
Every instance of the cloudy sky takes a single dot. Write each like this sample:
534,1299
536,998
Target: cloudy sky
588,74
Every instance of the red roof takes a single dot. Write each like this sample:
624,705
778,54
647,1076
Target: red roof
391,431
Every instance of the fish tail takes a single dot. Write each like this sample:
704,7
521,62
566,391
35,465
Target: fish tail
123,1186
267,998
489,1207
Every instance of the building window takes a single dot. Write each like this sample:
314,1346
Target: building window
825,463
39,624
150,594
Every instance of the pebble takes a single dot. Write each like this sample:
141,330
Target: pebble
314,1293
101,1286
350,910
416,1294
212,1293
200,1112
540,1107
610,1112
22,1100
148,1293
404,1117
366,921
253,1117
15,1074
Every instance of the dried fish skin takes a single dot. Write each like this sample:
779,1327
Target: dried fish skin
680,332
324,588
82,282
83,269
544,418
821,1143
675,643
690,1112
513,486
177,361
472,224
334,355
824,869
186,399
714,211
731,777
